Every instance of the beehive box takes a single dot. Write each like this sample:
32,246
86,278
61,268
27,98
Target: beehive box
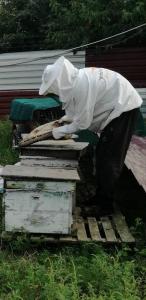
61,149
51,162
39,200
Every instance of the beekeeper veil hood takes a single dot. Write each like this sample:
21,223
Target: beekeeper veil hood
59,78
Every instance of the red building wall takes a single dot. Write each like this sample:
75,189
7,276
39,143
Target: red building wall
7,96
130,62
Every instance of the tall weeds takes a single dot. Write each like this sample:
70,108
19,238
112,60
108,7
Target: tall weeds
7,155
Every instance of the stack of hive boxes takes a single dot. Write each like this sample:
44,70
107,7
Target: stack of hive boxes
40,192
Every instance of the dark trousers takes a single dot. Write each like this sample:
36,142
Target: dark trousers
111,152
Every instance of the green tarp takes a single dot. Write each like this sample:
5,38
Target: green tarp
140,126
22,109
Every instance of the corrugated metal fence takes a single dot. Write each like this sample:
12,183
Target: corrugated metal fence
21,72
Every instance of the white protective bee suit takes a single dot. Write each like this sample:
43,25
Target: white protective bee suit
102,101
91,97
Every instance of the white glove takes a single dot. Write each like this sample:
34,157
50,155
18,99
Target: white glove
57,134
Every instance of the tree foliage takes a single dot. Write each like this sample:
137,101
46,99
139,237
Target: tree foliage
49,24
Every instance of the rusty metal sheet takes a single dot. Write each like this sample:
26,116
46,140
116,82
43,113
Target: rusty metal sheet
130,62
136,159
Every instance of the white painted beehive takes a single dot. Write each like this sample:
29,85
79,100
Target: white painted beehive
39,205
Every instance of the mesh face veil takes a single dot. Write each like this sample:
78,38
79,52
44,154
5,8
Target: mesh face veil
59,79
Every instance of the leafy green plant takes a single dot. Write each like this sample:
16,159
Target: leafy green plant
66,276
7,154
49,24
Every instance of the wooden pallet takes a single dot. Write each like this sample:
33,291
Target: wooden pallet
107,230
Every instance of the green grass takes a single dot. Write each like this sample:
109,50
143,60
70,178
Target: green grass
7,155
70,274
86,272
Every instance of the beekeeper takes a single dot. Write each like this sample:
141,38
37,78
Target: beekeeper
102,101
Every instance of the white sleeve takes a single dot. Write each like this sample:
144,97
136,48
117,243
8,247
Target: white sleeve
84,104
87,93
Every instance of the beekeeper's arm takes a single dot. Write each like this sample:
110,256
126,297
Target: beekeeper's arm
66,119
81,109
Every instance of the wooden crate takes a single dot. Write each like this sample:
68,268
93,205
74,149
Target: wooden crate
39,200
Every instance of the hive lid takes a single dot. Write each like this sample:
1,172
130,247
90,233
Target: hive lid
13,171
51,144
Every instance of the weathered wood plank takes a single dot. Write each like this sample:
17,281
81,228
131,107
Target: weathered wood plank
52,142
108,229
81,231
49,162
44,151
72,147
34,157
24,136
53,186
136,159
122,228
94,230
61,145
10,171
68,239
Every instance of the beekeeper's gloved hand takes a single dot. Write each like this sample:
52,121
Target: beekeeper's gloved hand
57,134
65,118
60,132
